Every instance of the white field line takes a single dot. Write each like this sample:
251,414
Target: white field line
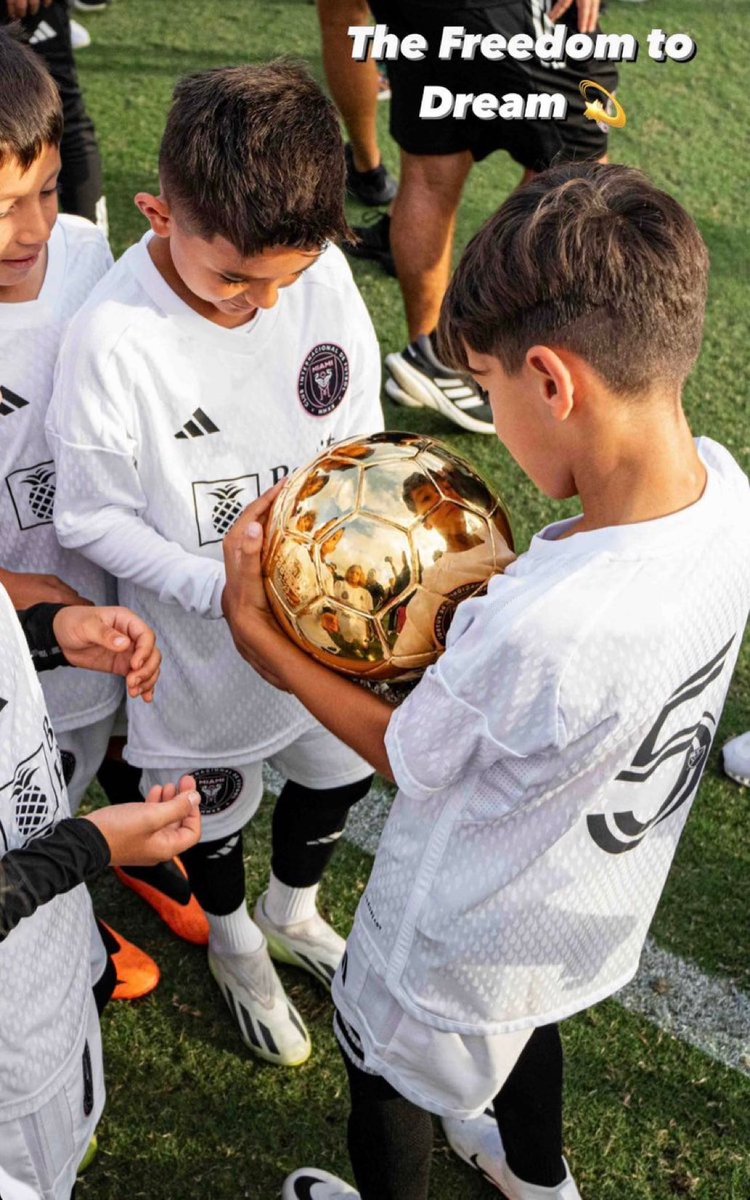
706,1011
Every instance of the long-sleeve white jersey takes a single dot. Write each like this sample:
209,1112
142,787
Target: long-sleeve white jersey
30,336
164,426
45,977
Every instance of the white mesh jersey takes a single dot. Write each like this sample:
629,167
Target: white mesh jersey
164,426
30,335
547,764
45,978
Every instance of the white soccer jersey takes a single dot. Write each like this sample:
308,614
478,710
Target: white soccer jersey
546,766
30,335
164,426
45,978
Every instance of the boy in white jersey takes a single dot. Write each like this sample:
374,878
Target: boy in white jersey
225,349
547,763
48,266
51,1082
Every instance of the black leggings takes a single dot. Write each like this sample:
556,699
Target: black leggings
307,824
390,1139
81,184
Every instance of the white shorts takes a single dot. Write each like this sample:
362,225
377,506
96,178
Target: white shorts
450,1074
42,1150
82,752
231,795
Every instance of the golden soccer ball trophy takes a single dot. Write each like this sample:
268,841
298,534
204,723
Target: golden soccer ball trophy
369,549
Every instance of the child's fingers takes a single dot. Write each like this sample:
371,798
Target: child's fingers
188,784
174,811
154,794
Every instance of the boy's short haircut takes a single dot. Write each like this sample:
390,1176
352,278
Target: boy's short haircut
254,154
30,106
590,258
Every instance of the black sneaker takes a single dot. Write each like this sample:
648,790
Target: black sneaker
374,187
374,242
419,380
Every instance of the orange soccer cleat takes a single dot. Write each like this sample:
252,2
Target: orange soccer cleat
167,890
137,973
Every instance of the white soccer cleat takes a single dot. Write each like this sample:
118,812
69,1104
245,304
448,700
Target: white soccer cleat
312,945
310,1183
736,755
269,1023
478,1143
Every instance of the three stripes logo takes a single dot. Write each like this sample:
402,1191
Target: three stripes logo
43,33
198,425
10,402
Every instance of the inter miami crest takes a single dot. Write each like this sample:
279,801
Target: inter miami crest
323,379
675,749
218,786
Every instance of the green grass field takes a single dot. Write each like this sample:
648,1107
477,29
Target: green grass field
648,1118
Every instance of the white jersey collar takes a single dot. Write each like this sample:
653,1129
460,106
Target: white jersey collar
245,339
45,310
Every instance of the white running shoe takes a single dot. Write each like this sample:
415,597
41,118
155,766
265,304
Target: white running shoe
736,755
313,1184
269,1023
419,380
478,1143
80,37
312,945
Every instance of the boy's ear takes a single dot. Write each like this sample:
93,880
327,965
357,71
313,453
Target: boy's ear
554,381
156,211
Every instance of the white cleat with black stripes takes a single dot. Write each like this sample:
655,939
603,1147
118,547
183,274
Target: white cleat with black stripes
269,1023
312,945
419,380
310,1183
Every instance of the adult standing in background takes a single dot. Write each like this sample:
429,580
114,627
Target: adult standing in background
46,25
437,156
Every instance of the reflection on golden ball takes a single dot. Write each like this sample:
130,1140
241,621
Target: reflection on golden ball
369,549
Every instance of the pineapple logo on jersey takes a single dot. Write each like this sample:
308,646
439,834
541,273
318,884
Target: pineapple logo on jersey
32,798
32,490
323,379
219,502
685,750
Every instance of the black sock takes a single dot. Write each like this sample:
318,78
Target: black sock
217,874
307,823
120,781
528,1110
389,1139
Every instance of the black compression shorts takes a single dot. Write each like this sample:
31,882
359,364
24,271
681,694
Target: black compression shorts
534,144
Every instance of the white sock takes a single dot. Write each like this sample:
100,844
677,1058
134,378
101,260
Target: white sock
286,905
235,933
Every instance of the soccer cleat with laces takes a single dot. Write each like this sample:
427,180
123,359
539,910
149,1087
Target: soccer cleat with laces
137,973
376,187
478,1143
736,759
419,380
166,889
310,1183
312,945
269,1023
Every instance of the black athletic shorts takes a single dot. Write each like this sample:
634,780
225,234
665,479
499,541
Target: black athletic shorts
535,144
